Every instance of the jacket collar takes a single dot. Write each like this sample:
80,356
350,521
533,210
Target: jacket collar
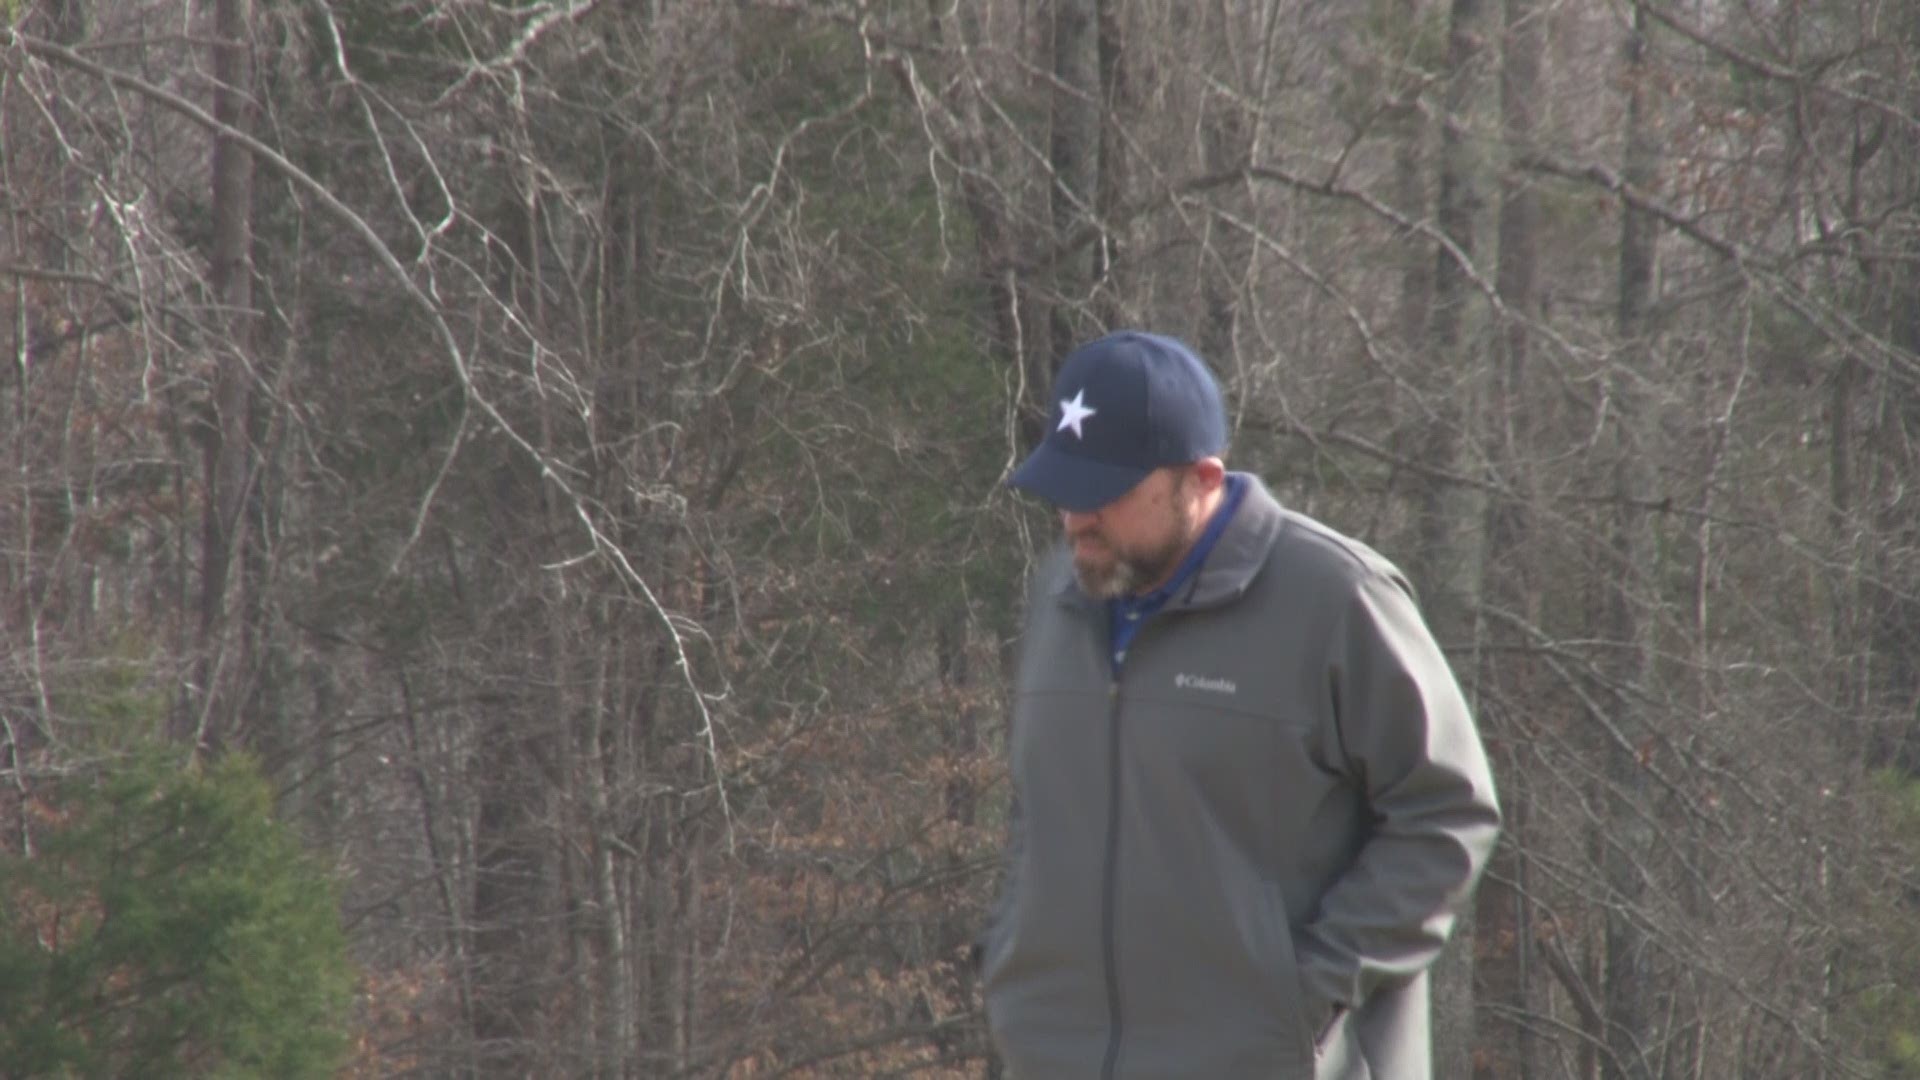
1230,568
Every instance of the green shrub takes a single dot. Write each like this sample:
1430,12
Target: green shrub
165,924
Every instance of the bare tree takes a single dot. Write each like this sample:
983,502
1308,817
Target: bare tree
1631,992
1448,558
1074,145
1509,681
226,645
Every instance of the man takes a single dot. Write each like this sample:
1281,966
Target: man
1248,793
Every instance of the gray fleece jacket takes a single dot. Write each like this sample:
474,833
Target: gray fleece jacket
1239,857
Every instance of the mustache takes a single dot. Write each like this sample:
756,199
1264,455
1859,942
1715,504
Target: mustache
1092,529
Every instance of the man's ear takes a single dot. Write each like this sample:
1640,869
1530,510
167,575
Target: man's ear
1211,472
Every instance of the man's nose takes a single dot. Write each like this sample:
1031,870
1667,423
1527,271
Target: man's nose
1077,521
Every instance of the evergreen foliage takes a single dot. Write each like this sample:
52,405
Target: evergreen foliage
165,924
1889,1009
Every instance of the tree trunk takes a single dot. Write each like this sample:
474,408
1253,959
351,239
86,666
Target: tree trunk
1110,185
224,663
1229,139
1410,191
1502,912
1451,548
1074,154
507,1004
1630,993
1895,611
601,771
515,858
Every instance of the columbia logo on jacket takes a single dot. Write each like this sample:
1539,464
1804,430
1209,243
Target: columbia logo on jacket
1209,683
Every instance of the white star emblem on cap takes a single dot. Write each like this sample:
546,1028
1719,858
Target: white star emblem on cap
1073,412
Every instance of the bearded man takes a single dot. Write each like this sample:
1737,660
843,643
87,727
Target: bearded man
1248,797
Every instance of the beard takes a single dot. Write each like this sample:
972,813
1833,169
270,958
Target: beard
1109,572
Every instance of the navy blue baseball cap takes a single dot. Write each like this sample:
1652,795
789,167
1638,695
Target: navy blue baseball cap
1123,406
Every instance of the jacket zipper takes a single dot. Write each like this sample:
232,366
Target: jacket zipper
1110,881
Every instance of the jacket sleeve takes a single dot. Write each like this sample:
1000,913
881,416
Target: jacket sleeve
1016,822
1009,887
1412,749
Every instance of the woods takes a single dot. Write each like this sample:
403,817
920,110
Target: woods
561,442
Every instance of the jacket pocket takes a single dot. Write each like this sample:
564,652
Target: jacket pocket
1273,949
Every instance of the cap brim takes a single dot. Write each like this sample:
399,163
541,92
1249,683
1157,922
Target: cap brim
1074,483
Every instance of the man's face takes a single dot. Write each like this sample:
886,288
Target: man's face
1133,543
